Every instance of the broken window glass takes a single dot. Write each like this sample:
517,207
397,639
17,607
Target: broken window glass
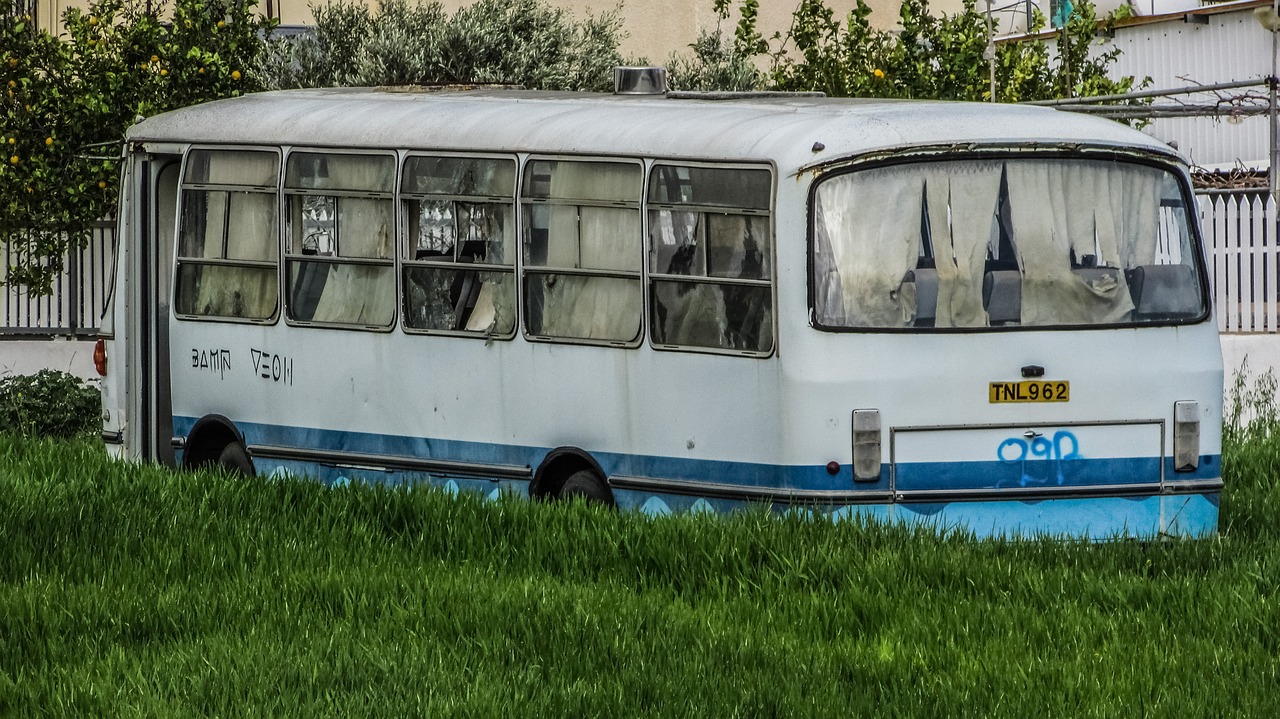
341,229
458,257
711,258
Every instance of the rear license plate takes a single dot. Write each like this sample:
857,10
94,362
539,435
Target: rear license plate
1030,391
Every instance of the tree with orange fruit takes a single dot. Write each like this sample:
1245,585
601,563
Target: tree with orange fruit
65,103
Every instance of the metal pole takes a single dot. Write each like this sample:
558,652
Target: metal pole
1274,167
1271,115
72,273
1188,90
990,52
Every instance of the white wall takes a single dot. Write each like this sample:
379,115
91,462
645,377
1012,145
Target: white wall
1262,351
31,356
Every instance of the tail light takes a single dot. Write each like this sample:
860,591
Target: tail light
100,357
866,445
1186,436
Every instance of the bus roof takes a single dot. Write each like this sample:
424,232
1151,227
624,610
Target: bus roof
779,129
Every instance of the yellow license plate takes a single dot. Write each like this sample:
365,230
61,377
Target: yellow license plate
1030,391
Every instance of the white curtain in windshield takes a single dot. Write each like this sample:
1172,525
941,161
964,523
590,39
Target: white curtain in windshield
962,202
1081,209
1009,242
870,249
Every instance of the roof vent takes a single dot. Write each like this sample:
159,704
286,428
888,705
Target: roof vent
639,81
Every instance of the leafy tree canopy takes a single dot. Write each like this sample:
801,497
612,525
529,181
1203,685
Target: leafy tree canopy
66,103
941,57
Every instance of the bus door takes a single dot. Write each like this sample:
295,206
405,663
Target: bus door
157,222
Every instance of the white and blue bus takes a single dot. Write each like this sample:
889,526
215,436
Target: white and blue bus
981,316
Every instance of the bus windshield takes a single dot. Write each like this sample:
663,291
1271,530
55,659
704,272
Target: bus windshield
1013,242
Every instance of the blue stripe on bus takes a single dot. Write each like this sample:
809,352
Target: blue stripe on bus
1074,472
918,476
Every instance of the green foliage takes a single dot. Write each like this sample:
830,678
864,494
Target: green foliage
130,590
715,64
1252,414
1251,451
49,403
842,61
942,57
518,42
66,103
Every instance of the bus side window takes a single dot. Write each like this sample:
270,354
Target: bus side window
227,246
458,256
582,250
710,258
338,260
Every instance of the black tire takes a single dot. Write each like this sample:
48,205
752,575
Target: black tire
234,460
585,484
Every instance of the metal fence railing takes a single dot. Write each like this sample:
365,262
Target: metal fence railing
19,8
74,307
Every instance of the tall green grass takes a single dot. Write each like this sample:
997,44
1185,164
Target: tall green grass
129,590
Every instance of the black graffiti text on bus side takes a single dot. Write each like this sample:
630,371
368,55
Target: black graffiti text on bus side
217,361
274,367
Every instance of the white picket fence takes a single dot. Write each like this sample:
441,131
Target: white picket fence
1244,259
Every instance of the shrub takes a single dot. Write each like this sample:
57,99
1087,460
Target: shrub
49,403
717,63
519,42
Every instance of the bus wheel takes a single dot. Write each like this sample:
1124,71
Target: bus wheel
584,483
235,460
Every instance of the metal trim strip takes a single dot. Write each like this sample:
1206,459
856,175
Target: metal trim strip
742,492
745,492
377,462
1026,494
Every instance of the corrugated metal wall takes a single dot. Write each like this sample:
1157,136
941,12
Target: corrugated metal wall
1174,53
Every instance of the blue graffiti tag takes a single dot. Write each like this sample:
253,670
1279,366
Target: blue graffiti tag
1017,450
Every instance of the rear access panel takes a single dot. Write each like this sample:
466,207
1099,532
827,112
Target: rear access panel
952,463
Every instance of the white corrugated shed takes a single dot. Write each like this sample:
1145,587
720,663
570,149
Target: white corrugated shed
1214,44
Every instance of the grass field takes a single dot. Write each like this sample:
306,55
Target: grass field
135,591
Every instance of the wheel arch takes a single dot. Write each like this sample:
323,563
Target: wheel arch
208,437
558,465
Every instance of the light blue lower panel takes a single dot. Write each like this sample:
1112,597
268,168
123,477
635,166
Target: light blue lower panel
1184,515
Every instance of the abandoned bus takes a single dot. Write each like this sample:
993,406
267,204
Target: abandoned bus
987,317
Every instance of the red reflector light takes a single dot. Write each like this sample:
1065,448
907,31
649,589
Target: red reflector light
833,468
100,357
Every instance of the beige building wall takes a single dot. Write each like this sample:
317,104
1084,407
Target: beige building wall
654,28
